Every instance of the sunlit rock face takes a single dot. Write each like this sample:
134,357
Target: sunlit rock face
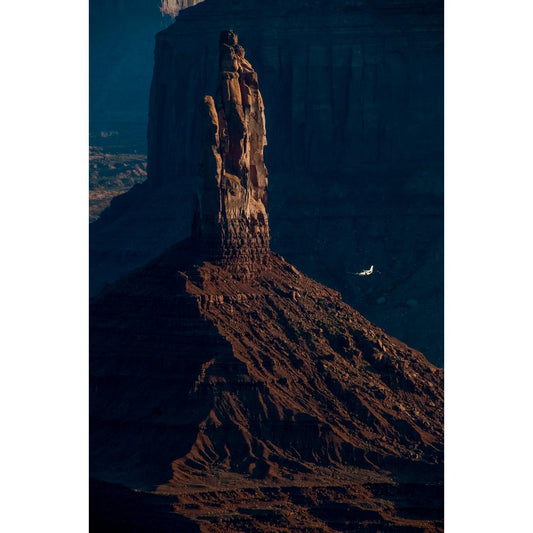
231,208
173,7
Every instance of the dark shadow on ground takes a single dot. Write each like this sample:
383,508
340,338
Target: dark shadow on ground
117,509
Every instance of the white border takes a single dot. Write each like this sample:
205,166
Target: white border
43,377
489,265
44,250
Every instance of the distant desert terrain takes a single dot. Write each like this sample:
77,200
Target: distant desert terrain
111,174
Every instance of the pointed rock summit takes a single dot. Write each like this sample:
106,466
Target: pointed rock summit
231,220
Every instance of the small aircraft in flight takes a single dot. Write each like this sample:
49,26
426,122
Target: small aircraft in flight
363,272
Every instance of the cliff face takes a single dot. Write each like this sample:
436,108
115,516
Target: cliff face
355,98
348,90
121,44
121,53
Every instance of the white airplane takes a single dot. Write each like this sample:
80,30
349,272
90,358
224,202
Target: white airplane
363,272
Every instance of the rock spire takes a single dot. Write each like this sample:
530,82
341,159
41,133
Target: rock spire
231,218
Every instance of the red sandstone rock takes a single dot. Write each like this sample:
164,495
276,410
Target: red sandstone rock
231,218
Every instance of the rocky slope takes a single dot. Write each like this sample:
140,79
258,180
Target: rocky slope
203,383
355,113
230,392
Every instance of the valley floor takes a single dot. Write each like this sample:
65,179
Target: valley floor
369,503
112,174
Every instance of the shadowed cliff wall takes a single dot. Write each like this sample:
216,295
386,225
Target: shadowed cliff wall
121,54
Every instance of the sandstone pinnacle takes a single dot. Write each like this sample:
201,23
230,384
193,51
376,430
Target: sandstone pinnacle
231,220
